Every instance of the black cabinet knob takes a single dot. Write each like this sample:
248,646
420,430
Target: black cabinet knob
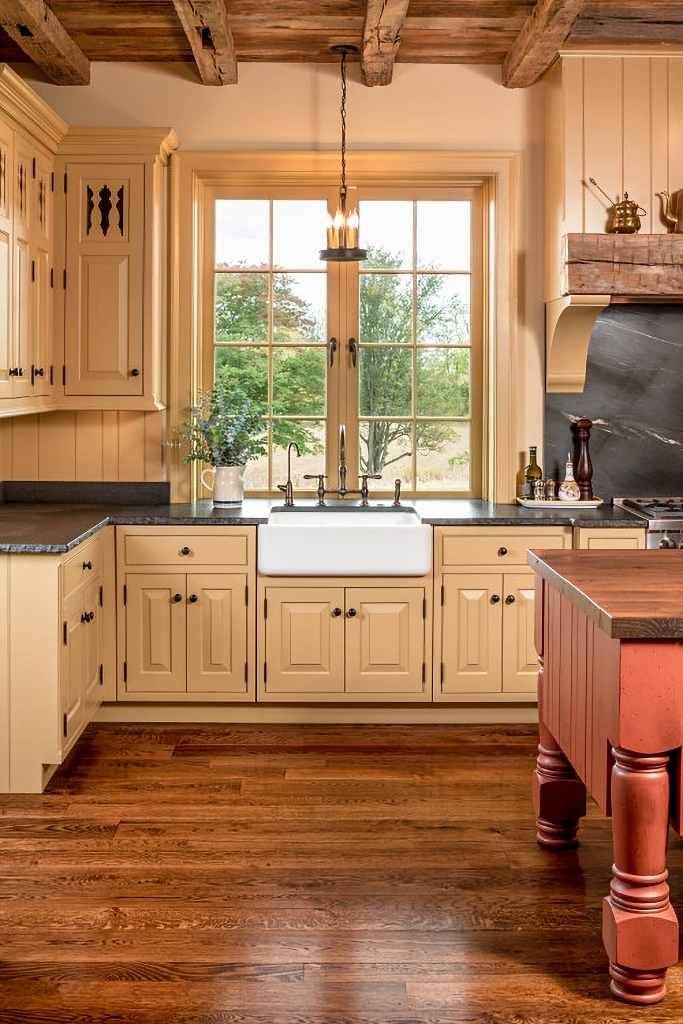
336,612
87,565
495,598
135,373
177,597
502,551
351,612
193,598
510,599
184,551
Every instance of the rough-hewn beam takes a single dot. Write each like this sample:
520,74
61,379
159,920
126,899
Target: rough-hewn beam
539,41
207,28
34,27
384,20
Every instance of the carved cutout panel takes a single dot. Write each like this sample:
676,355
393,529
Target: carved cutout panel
106,210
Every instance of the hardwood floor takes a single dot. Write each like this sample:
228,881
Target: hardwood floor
303,875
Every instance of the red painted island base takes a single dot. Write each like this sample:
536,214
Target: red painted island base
611,721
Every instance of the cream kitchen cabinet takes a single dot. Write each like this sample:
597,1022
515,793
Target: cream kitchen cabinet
186,624
60,654
110,241
339,640
29,136
610,537
484,622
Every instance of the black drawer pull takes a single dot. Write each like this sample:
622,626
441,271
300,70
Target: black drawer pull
193,598
510,599
177,597
336,612
502,551
184,551
87,565
495,598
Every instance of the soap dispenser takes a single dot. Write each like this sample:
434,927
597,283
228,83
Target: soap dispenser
569,489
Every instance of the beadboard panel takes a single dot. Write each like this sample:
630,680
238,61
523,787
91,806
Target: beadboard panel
75,445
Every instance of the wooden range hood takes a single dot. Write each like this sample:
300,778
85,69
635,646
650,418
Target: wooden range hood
597,270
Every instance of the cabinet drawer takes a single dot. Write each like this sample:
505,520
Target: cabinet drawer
83,565
186,549
489,546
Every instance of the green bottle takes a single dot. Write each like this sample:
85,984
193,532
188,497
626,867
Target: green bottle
532,473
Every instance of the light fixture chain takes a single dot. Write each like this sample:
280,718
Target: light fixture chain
343,123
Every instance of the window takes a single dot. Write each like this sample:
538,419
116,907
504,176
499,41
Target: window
391,347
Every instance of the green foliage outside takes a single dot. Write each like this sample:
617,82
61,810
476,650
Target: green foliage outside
442,375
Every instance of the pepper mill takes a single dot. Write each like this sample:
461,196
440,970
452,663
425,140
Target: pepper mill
584,469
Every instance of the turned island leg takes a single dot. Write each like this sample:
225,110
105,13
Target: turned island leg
639,926
559,795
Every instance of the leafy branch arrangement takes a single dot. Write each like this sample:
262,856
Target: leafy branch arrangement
226,428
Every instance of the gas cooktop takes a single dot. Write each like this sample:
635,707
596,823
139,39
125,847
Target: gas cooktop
653,508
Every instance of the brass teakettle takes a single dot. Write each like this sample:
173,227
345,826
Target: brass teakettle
624,219
671,208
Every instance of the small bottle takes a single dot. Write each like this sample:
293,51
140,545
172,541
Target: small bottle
532,473
569,489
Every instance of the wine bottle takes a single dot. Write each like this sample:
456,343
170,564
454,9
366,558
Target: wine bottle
532,473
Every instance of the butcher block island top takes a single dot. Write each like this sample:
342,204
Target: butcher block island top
628,594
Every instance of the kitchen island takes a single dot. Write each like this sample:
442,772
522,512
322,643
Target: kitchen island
609,632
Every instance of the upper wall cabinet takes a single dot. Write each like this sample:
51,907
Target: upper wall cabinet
29,136
110,238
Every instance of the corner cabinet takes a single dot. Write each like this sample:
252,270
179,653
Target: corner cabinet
484,619
185,613
29,136
348,640
110,235
60,654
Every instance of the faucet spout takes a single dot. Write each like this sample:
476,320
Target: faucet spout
342,458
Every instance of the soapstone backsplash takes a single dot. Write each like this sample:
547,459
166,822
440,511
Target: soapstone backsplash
634,395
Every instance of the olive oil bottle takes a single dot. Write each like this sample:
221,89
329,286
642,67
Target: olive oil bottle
532,473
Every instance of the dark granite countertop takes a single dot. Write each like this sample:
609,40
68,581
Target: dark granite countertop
47,528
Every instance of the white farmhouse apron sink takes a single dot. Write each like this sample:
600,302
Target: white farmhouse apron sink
347,541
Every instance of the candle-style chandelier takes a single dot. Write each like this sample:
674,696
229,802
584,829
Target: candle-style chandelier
342,233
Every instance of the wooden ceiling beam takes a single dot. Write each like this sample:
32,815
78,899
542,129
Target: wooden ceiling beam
539,41
382,30
34,28
206,25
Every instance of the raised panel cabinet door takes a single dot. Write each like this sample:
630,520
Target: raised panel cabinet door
73,670
216,633
104,314
155,633
304,647
471,633
93,627
385,640
20,344
520,660
6,303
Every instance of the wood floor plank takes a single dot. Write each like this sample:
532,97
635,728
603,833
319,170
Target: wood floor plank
239,874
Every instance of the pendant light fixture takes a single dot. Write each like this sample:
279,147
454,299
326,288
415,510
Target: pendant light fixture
342,233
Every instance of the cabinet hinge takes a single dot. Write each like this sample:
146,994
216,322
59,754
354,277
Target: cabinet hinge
65,725
424,607
246,671
52,182
65,181
125,594
265,672
246,594
52,277
33,270
64,376
424,674
443,595
442,673
125,671
64,633
101,597
265,607
101,674
33,167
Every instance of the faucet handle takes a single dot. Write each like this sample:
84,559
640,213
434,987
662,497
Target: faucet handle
364,485
320,477
397,492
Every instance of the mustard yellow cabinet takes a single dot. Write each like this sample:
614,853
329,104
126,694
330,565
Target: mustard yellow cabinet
110,222
29,135
633,537
484,620
185,607
60,654
326,641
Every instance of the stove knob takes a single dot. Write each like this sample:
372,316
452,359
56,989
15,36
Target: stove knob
666,542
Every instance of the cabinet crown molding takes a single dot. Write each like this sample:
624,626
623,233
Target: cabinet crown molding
119,143
24,109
